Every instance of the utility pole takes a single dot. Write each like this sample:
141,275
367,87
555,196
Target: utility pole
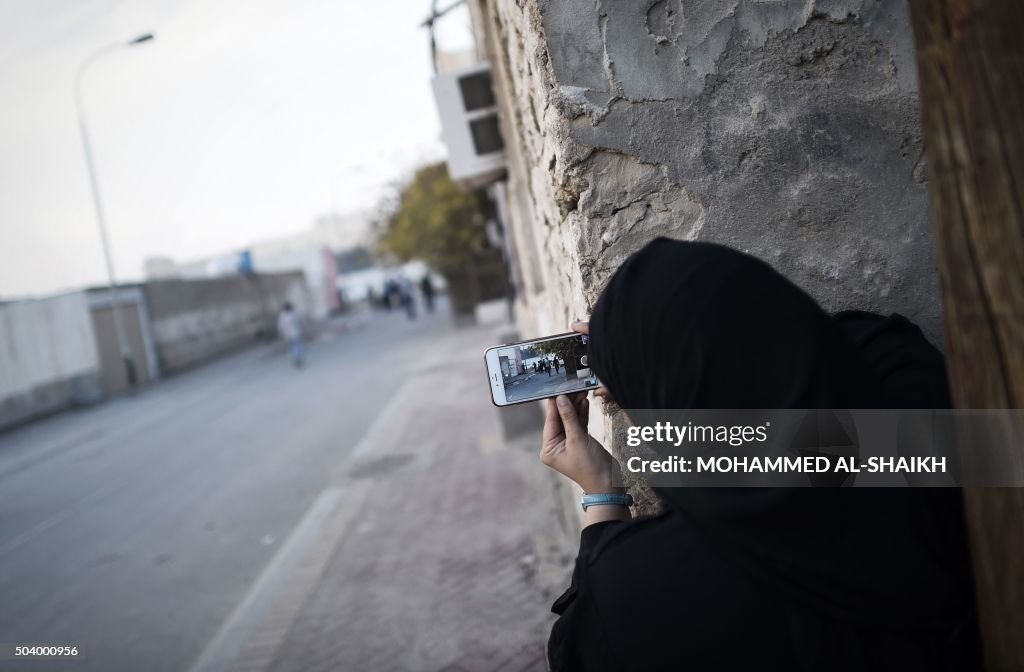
970,56
123,344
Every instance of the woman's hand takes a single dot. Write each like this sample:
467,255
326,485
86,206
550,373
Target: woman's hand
569,450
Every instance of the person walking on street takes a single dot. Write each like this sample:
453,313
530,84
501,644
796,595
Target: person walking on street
557,365
427,289
406,298
290,329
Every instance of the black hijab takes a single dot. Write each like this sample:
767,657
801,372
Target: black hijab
696,325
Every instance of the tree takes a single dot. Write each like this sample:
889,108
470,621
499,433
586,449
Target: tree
570,350
971,69
434,219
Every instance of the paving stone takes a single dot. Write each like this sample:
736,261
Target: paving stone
439,571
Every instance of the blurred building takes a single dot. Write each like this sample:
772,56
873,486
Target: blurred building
64,351
449,60
312,252
160,268
194,321
342,231
316,262
50,358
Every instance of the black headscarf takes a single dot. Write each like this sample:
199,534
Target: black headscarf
686,325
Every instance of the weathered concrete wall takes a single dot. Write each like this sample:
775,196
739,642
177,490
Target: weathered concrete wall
786,129
196,320
48,357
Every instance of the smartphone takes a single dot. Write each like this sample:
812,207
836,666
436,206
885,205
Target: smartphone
539,368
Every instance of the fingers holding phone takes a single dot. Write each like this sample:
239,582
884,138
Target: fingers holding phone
569,449
555,369
581,327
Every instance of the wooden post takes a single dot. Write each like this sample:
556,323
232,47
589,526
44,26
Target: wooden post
970,56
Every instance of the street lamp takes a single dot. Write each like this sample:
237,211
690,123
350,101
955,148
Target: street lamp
124,347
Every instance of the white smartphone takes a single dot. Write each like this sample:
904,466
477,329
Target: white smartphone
538,368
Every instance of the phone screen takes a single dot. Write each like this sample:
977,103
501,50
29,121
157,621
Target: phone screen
539,368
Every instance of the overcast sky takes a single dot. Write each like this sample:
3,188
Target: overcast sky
235,125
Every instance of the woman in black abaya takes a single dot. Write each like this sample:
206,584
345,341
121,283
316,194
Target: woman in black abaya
758,578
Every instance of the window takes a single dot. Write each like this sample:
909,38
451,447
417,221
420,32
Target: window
486,136
476,91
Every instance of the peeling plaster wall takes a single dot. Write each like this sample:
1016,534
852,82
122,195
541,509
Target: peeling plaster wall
788,129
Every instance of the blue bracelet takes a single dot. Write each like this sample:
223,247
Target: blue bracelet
606,499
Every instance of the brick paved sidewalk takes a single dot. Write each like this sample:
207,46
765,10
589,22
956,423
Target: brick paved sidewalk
451,545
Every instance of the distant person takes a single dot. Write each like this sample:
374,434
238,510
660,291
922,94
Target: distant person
427,289
547,367
394,293
405,297
290,329
535,367
557,365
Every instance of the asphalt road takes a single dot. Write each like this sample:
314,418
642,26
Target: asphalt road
132,529
533,384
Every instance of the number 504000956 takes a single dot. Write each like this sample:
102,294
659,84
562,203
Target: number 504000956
46,651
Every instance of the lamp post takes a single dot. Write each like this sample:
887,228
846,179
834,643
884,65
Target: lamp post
124,347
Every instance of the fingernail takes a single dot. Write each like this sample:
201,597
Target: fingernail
562,400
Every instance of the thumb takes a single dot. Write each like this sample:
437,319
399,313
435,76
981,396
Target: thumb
570,420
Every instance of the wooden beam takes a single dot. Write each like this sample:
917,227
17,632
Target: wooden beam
970,56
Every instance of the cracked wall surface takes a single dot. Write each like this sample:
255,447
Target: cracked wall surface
788,129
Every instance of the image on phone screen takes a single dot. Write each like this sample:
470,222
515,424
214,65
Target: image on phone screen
539,368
